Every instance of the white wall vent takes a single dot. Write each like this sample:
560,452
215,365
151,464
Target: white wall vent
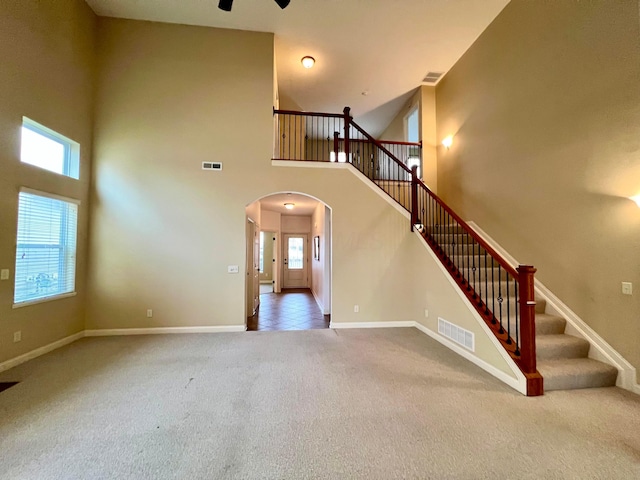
457,334
212,165
432,77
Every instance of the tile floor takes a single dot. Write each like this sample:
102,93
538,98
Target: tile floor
293,309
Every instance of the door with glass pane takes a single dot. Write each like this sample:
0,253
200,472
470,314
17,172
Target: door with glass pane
295,261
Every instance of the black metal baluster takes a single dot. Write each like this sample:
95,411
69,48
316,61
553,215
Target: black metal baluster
486,285
517,352
508,313
500,299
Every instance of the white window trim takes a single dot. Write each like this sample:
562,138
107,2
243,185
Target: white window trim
72,148
59,296
49,195
28,303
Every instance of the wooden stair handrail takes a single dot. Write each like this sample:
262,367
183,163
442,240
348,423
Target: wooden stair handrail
379,145
470,231
307,114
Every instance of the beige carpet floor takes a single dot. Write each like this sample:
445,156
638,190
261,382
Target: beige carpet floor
325,404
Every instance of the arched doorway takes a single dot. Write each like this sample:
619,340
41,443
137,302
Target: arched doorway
288,262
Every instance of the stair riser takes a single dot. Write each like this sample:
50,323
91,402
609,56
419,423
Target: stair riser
550,327
572,382
548,352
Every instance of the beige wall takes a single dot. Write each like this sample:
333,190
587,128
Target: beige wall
425,100
47,75
317,266
545,109
295,224
164,231
270,220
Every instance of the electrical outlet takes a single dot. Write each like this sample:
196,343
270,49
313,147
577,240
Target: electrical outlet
426,313
17,336
149,313
627,288
356,308
233,269
4,274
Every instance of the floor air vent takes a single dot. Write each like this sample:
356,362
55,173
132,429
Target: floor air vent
212,166
5,385
457,334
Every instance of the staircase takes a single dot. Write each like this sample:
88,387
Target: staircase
502,295
562,359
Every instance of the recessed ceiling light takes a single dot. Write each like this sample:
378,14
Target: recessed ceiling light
289,206
308,62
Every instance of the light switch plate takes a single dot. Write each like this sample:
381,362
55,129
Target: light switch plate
233,269
627,288
4,274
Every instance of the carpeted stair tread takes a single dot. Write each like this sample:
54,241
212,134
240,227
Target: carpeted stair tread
567,374
561,346
549,324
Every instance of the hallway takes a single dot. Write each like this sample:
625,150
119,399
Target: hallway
293,309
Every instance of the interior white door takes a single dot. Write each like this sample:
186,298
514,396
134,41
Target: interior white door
295,261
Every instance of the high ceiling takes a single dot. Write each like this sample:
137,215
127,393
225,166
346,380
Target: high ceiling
382,48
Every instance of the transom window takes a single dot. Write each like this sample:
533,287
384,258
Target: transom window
44,148
46,246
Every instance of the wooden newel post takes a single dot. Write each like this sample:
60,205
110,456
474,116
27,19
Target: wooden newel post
527,318
347,124
336,145
414,196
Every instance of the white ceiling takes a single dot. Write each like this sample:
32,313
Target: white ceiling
304,205
381,47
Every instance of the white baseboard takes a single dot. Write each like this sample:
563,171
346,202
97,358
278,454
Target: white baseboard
372,324
25,357
600,350
317,300
518,384
163,330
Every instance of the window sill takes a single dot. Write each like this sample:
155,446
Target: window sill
43,300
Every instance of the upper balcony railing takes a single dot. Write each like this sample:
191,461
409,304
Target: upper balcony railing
501,294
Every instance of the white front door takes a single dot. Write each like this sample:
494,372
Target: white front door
295,261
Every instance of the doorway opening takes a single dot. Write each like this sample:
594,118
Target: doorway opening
288,263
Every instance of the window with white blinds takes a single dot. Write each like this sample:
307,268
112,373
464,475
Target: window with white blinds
46,246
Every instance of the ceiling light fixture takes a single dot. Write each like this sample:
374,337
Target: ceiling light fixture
289,206
636,199
447,142
308,62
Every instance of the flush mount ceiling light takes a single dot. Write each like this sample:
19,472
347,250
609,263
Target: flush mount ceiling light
227,4
308,62
289,206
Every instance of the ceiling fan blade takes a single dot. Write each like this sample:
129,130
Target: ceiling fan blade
225,5
283,3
